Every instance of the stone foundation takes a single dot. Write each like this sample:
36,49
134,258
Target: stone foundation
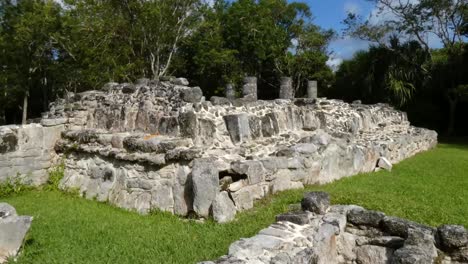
160,145
27,152
348,234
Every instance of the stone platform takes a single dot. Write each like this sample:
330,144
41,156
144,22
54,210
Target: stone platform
161,145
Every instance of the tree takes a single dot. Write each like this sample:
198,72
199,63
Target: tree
124,40
383,74
415,20
443,19
28,47
255,38
307,59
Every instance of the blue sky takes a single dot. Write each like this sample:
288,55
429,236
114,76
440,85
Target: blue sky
330,14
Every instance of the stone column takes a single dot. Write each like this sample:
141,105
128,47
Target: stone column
250,87
312,89
230,93
286,88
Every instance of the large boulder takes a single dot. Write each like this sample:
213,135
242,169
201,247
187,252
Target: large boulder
13,229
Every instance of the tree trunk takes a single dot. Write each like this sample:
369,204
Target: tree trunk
2,117
25,108
452,112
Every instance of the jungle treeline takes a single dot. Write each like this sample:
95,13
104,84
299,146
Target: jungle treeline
50,47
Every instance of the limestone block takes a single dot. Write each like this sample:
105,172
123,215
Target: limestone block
13,229
252,169
384,163
238,127
312,89
243,199
191,95
205,178
270,126
373,254
224,209
299,218
162,197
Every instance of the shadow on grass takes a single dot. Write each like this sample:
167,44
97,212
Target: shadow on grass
454,142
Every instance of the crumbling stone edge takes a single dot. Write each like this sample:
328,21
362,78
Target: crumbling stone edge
324,233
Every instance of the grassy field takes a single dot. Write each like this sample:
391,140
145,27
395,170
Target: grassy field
431,188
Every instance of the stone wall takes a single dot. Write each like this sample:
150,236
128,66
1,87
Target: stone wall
161,145
347,234
27,152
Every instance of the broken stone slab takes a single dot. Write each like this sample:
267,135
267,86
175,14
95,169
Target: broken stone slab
452,237
7,210
395,226
370,254
224,209
316,202
191,95
180,81
365,217
252,169
418,249
13,230
128,88
205,180
385,164
298,217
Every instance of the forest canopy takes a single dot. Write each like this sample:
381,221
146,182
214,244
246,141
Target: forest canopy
48,47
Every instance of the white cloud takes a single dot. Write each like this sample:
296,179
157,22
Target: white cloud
352,7
334,62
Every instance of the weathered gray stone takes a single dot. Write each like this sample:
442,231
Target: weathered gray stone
223,208
316,202
252,169
312,89
385,164
13,230
205,179
299,217
365,217
128,88
6,210
216,100
452,237
400,227
286,88
230,92
369,254
249,89
180,81
238,127
192,95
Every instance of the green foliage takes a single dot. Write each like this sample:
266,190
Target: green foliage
428,188
56,174
12,185
383,74
267,39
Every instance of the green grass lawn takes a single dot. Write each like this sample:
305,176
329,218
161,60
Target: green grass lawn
431,188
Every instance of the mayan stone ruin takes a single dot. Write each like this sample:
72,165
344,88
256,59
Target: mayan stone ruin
321,233
162,145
